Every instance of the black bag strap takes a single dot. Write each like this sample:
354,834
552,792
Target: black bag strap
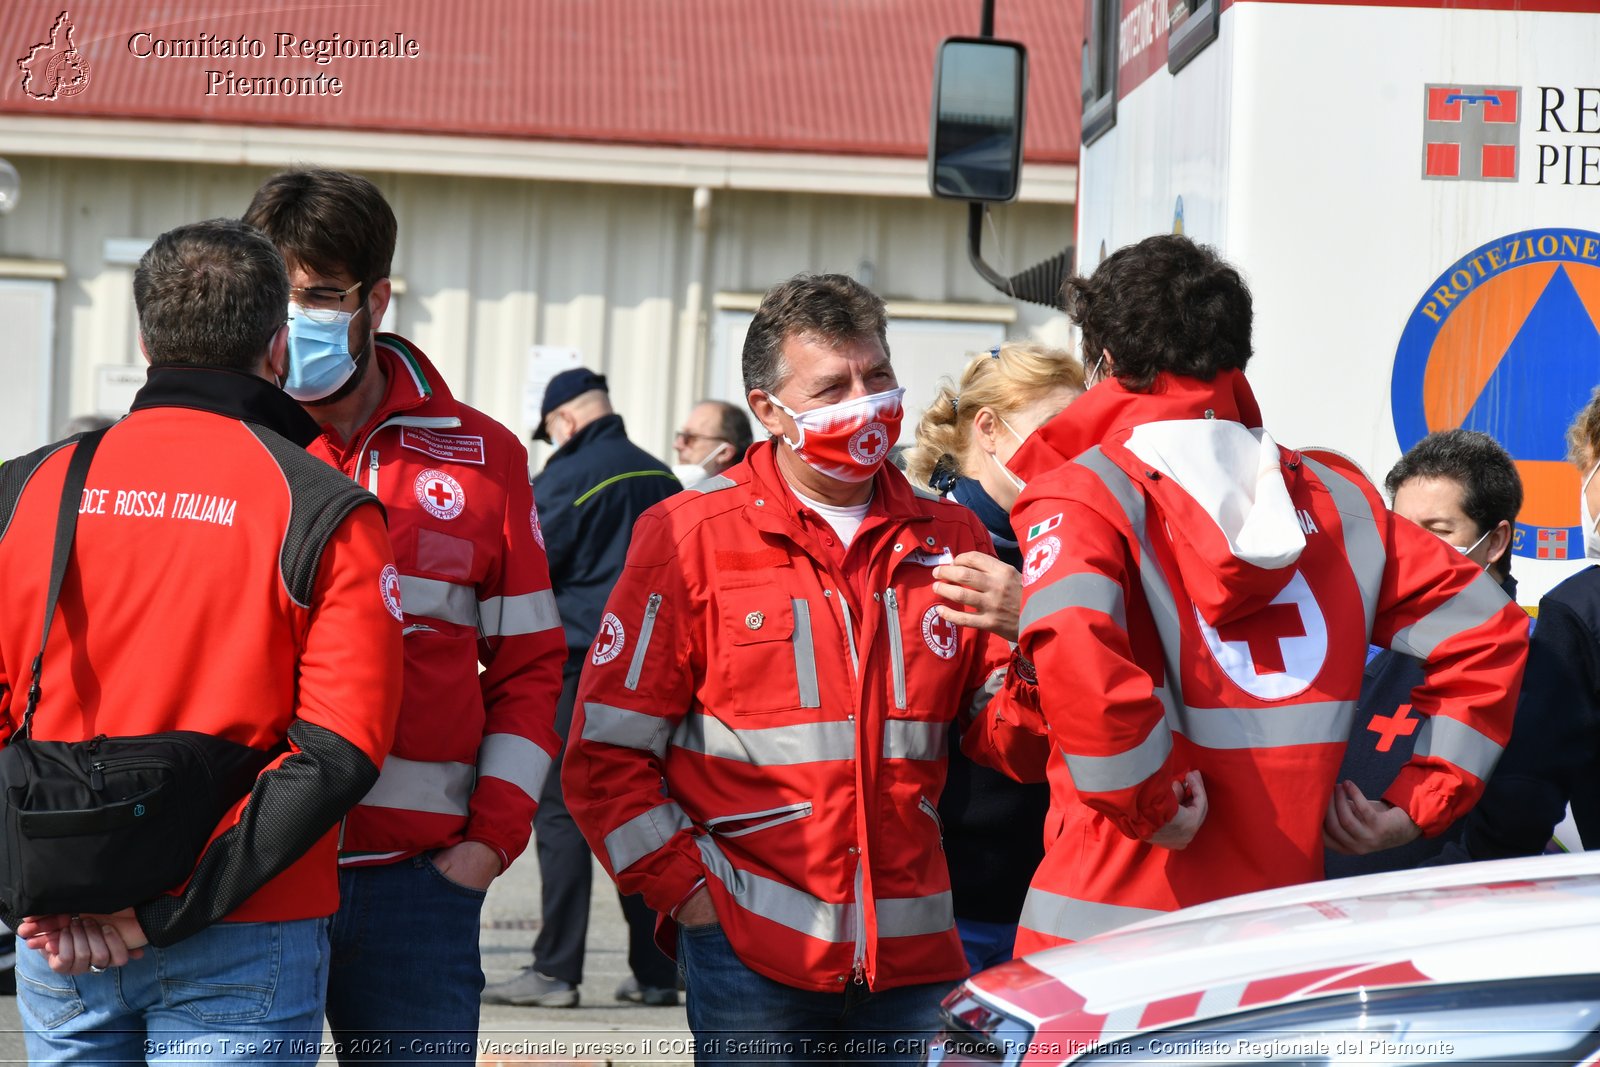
66,527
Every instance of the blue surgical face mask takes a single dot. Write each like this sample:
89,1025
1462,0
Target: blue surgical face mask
319,352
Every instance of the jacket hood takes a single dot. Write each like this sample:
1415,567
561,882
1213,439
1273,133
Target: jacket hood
1213,477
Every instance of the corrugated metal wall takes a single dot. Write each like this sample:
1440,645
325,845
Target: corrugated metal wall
493,266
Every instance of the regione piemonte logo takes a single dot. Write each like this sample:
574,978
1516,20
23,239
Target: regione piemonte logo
54,68
1470,133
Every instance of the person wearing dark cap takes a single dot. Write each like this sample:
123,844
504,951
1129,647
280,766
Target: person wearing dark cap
589,494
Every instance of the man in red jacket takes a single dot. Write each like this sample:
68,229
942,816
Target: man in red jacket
1199,602
224,582
455,803
759,745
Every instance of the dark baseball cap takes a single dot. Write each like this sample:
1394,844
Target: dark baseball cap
566,386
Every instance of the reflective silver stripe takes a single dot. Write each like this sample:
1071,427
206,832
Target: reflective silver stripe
515,759
986,692
782,904
1077,920
449,601
643,834
915,916
897,651
770,746
1096,592
512,616
1363,544
1157,593
1475,605
609,725
849,636
1106,774
711,485
441,788
911,739
1453,740
806,914
1282,726
805,655
646,628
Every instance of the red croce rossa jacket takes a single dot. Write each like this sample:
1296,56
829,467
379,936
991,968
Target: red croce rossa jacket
221,581
471,750
1196,597
753,718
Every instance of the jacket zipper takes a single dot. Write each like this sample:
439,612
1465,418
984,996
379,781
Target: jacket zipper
933,813
422,422
858,969
98,769
770,817
897,652
850,636
636,668
372,474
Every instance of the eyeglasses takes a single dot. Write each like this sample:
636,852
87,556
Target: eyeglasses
686,438
322,303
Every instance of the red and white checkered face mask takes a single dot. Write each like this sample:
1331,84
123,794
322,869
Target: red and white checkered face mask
847,441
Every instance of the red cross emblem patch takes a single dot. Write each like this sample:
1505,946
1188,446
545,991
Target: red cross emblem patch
439,494
1042,555
1277,651
939,634
608,641
389,589
869,443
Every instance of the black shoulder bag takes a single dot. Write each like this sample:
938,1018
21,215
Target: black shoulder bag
103,824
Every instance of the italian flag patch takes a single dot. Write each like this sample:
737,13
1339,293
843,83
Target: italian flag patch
1039,529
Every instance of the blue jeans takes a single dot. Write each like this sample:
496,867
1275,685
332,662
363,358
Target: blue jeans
986,944
739,1016
406,974
235,993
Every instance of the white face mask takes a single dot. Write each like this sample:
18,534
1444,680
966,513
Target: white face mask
1591,540
692,474
1005,470
1094,377
1469,549
850,440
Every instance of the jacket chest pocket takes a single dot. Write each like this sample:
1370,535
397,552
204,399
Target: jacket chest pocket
771,660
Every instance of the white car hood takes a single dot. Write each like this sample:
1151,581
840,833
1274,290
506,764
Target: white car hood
1506,919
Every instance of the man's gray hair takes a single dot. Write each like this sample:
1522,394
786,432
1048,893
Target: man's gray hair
210,293
830,307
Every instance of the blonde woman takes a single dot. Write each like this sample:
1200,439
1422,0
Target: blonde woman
994,827
974,427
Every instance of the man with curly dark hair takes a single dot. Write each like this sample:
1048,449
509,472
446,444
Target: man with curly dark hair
1198,602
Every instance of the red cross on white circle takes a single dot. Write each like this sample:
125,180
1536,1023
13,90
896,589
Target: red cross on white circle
439,494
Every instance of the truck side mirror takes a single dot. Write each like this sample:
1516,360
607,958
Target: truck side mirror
975,147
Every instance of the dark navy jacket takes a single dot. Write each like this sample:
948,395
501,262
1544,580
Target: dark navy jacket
993,826
588,496
1553,757
1385,688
